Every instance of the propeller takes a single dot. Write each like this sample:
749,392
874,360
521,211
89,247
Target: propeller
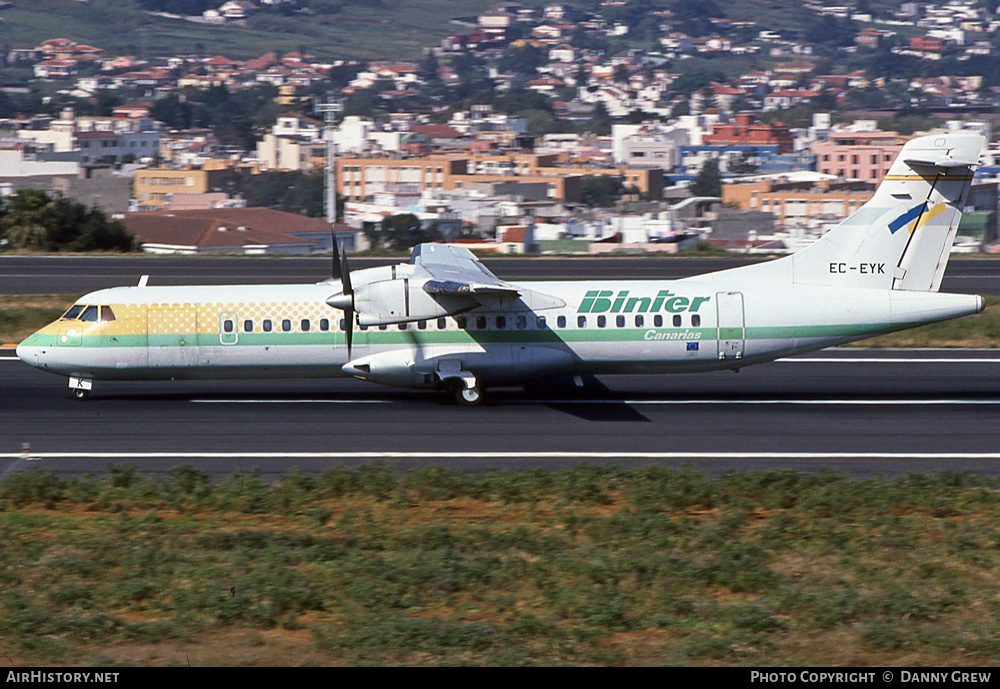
345,300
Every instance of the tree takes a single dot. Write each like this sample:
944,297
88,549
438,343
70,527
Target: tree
172,111
292,192
31,219
399,232
709,181
600,190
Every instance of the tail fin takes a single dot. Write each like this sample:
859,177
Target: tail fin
900,239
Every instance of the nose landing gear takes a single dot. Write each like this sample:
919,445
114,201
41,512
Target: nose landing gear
81,387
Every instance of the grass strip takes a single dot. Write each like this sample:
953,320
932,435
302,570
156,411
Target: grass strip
583,566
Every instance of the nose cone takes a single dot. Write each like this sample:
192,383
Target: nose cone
27,351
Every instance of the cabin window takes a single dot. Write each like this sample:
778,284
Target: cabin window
73,313
402,326
677,321
228,326
639,321
481,322
305,325
602,321
540,322
89,314
442,324
324,324
658,320
501,322
522,322
461,322
581,321
561,322
286,325
248,326
422,325
342,324
695,320
107,315
383,328
620,321
266,325
362,327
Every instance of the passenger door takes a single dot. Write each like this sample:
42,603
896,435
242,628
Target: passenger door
731,324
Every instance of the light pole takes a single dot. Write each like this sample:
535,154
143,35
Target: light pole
330,111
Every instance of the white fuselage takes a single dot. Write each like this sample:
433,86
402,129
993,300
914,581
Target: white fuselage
270,331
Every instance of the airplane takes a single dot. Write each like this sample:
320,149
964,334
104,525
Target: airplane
443,321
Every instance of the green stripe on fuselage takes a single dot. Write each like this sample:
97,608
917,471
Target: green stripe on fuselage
428,337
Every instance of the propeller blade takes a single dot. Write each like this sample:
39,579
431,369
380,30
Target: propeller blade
346,299
336,272
345,274
349,330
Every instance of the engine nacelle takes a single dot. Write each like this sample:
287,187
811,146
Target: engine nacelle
397,368
399,301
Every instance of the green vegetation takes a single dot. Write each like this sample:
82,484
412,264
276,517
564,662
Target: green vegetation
21,315
601,191
708,182
401,232
589,565
346,29
292,192
32,219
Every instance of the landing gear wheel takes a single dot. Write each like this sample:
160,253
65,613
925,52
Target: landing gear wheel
81,394
469,396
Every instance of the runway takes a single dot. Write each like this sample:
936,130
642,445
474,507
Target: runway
854,411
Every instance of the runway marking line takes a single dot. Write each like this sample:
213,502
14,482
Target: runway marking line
675,402
886,360
505,455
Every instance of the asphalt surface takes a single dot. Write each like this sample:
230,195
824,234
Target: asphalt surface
77,275
859,412
858,417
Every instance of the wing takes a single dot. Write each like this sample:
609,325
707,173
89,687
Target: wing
440,280
455,271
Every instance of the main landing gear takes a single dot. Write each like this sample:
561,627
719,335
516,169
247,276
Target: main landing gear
469,396
465,388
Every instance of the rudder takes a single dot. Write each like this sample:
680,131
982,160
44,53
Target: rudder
901,238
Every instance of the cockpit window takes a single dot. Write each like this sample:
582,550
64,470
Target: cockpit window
90,313
73,313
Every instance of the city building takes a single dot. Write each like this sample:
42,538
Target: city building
863,156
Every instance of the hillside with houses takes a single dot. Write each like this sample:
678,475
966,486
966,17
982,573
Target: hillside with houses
589,127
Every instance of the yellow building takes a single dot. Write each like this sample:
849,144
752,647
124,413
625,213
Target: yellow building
790,201
153,187
360,178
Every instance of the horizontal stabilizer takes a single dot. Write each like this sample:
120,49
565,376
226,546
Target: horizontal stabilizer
945,152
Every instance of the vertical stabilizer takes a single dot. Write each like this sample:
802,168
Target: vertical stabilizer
900,239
